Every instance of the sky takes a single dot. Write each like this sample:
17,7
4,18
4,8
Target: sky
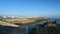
30,7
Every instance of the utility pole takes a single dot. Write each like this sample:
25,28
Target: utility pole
27,29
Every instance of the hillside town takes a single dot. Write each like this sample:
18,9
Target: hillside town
21,20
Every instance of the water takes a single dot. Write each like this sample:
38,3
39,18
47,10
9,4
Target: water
53,19
45,31
42,22
33,25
